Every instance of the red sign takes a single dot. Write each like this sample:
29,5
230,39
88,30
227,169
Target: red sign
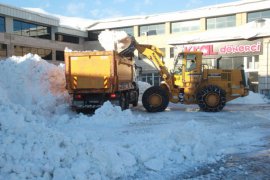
235,47
206,49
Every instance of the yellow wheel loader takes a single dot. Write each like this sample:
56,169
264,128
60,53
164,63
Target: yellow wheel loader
190,82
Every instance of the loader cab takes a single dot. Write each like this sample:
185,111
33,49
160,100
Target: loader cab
187,66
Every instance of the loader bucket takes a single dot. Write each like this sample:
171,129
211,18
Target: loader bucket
126,46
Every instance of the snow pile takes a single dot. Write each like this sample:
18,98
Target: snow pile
32,83
143,86
40,138
113,40
252,98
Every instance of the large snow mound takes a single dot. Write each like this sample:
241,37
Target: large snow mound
32,83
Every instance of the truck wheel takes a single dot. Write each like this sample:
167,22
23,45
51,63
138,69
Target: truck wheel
135,103
211,98
155,99
123,101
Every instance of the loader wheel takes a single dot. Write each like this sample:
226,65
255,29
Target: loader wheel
211,98
155,99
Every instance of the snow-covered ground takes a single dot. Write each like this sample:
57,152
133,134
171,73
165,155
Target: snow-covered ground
40,138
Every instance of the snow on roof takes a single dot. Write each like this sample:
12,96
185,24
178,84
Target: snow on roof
65,21
208,11
47,15
254,29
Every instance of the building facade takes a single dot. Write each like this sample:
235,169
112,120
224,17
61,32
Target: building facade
23,31
209,29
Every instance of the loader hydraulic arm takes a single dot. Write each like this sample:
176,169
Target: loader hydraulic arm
155,55
129,45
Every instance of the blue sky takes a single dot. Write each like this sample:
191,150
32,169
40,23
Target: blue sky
100,9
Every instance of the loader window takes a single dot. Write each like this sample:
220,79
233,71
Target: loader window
191,65
191,62
178,64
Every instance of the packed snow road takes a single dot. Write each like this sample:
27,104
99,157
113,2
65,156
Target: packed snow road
40,138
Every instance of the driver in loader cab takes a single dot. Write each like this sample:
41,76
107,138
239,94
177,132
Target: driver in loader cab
191,65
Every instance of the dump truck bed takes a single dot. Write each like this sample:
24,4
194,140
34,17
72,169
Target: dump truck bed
98,71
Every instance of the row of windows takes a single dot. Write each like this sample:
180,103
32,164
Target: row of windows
23,50
193,25
66,38
32,30
43,53
35,30
151,78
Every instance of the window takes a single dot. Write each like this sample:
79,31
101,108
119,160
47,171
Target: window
150,30
32,30
3,50
252,62
2,24
43,53
128,30
231,62
164,51
171,52
60,56
66,38
185,26
221,22
252,16
93,35
151,78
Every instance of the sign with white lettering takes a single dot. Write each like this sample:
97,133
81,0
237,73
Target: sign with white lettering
230,48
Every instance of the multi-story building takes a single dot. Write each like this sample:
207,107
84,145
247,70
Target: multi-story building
23,31
236,31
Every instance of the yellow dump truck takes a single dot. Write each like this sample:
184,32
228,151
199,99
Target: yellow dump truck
93,77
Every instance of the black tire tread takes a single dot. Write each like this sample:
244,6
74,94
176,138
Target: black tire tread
155,90
211,89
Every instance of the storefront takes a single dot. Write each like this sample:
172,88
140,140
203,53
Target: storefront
235,54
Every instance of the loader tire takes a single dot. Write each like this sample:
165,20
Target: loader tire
211,98
155,99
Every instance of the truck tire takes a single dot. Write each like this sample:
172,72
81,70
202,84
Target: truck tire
155,99
123,101
135,103
211,98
